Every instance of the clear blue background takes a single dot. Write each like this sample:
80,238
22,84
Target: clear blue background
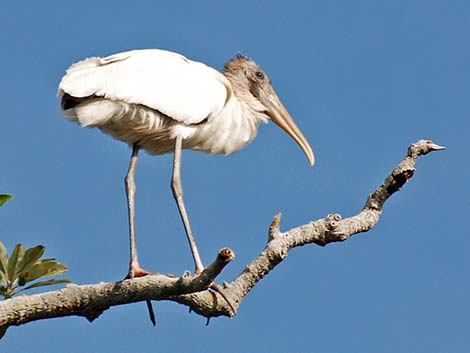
363,79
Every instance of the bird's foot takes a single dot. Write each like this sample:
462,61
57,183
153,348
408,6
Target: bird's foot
136,271
216,288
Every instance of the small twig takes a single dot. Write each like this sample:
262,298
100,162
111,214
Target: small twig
274,228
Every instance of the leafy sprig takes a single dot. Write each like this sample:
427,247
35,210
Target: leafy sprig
25,266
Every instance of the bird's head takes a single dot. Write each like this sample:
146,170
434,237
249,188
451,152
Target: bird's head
251,84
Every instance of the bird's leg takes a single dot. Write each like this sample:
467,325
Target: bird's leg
177,189
134,268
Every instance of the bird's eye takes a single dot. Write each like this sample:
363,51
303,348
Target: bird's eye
259,75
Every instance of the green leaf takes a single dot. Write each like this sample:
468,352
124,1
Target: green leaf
3,259
46,267
4,198
31,256
46,283
3,290
16,257
22,278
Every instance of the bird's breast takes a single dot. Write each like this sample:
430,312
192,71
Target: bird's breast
227,132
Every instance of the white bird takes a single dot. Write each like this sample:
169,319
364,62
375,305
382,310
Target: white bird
162,102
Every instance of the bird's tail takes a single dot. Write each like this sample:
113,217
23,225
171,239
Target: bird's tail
88,111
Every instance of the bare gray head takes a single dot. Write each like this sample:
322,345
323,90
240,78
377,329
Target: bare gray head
244,73
252,86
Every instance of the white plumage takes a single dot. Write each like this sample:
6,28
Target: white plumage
162,102
151,96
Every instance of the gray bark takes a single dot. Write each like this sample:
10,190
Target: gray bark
90,301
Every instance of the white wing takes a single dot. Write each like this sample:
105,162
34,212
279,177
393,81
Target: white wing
182,89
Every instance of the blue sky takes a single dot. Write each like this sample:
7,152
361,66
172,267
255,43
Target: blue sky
363,80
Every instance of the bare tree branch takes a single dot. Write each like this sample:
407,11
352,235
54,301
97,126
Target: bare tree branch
91,300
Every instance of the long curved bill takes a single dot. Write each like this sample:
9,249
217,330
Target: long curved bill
282,118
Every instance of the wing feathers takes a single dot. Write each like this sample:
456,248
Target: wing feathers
182,89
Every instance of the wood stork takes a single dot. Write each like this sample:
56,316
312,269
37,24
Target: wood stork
162,102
